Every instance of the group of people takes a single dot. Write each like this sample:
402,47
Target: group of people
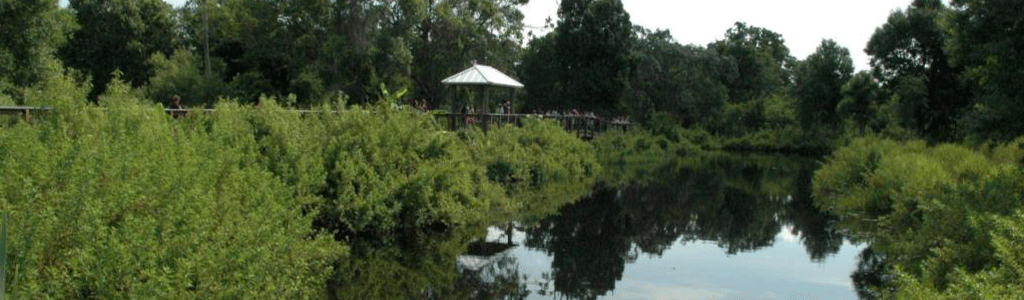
504,108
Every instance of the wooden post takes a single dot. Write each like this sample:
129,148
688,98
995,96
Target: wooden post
483,109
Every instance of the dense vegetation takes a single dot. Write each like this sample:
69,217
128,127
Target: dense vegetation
946,218
121,200
940,73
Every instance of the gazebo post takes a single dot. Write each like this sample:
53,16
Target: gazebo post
483,112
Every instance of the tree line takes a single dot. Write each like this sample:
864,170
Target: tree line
939,71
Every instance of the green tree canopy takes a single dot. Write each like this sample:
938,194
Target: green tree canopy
455,33
119,35
31,31
688,82
592,45
819,84
988,38
762,60
861,101
908,51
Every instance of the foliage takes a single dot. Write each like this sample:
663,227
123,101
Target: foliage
790,139
455,33
939,214
688,82
819,82
987,38
32,32
319,49
375,170
118,35
539,164
762,61
540,74
181,75
639,149
122,200
908,59
861,103
592,42
127,203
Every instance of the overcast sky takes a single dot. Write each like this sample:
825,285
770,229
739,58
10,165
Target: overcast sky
802,23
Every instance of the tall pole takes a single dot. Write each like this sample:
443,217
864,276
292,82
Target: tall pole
206,38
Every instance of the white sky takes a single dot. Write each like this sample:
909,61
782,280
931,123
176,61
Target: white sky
802,23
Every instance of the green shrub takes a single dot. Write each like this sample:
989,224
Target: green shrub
121,200
389,167
930,210
540,165
127,203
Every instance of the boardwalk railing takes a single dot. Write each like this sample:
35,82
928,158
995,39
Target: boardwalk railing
585,127
23,111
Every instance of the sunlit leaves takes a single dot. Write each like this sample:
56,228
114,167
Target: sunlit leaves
942,215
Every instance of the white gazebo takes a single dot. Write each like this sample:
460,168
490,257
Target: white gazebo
481,76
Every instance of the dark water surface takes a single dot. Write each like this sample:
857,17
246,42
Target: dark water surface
723,227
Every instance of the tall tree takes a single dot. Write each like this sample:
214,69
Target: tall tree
540,73
314,49
861,101
31,31
819,84
119,35
988,38
762,60
688,82
455,33
908,58
592,43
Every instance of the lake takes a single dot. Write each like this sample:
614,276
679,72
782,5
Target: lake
712,227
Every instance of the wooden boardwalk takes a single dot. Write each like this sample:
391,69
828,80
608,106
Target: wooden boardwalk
585,127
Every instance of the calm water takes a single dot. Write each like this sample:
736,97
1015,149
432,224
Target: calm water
713,228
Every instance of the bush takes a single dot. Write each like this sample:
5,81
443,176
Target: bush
126,203
121,200
934,212
539,164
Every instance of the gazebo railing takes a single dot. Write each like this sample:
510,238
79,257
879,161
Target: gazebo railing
583,126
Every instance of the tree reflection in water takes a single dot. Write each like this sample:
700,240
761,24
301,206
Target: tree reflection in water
740,204
589,245
872,275
817,230
423,266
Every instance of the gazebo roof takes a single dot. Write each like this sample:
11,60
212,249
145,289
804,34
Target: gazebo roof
482,75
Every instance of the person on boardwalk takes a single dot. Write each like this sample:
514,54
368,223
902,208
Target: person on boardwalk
176,103
176,106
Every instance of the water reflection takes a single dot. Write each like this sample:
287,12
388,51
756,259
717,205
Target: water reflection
872,276
590,245
739,204
425,266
